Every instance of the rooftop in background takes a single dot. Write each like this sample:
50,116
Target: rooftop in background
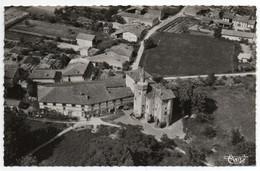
122,49
134,29
84,93
228,15
135,75
76,66
43,74
237,33
161,92
243,19
10,71
110,57
85,36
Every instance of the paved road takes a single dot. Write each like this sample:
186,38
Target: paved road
217,75
148,35
93,121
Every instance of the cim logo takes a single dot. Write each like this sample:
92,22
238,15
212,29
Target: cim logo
236,159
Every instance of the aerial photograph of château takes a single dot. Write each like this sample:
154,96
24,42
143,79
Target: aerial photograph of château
129,85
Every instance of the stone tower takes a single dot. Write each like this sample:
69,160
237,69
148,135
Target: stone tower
139,95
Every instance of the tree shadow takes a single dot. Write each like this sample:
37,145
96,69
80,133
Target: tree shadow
47,151
210,105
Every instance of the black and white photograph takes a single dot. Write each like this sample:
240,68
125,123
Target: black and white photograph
129,85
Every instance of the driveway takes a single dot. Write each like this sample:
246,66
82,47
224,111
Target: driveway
150,32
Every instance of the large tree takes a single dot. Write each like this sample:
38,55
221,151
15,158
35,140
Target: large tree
15,131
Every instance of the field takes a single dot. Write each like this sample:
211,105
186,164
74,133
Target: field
55,30
234,109
178,25
185,54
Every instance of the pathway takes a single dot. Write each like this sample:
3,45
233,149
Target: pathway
217,75
148,35
93,121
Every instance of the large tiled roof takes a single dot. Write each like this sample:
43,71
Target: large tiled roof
252,22
228,15
243,19
43,74
76,67
135,74
85,93
123,49
161,92
237,33
10,71
85,36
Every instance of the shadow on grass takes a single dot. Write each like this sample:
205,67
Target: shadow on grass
211,106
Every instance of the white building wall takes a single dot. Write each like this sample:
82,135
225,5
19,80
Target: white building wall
73,78
130,83
84,43
130,37
44,80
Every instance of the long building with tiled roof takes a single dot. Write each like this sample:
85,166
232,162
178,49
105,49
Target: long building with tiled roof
85,98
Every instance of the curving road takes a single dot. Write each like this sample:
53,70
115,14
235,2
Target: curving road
148,35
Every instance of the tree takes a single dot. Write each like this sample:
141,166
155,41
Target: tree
236,137
209,132
217,32
149,43
192,97
211,78
15,132
126,65
29,161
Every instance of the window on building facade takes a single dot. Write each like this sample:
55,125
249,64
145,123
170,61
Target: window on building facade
82,105
54,104
165,113
73,105
63,104
44,103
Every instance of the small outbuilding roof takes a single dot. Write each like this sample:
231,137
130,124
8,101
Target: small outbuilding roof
43,74
238,33
85,36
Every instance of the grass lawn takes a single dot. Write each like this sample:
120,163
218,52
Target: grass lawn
235,109
56,29
186,54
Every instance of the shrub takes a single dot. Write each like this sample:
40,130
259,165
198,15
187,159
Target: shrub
237,80
236,137
209,132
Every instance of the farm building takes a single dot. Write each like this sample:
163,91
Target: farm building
86,98
45,76
122,49
85,40
78,69
196,10
130,33
238,35
138,14
112,58
11,76
239,22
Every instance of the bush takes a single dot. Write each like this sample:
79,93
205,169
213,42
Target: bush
209,132
236,137
237,80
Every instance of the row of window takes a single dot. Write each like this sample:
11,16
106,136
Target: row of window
74,105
